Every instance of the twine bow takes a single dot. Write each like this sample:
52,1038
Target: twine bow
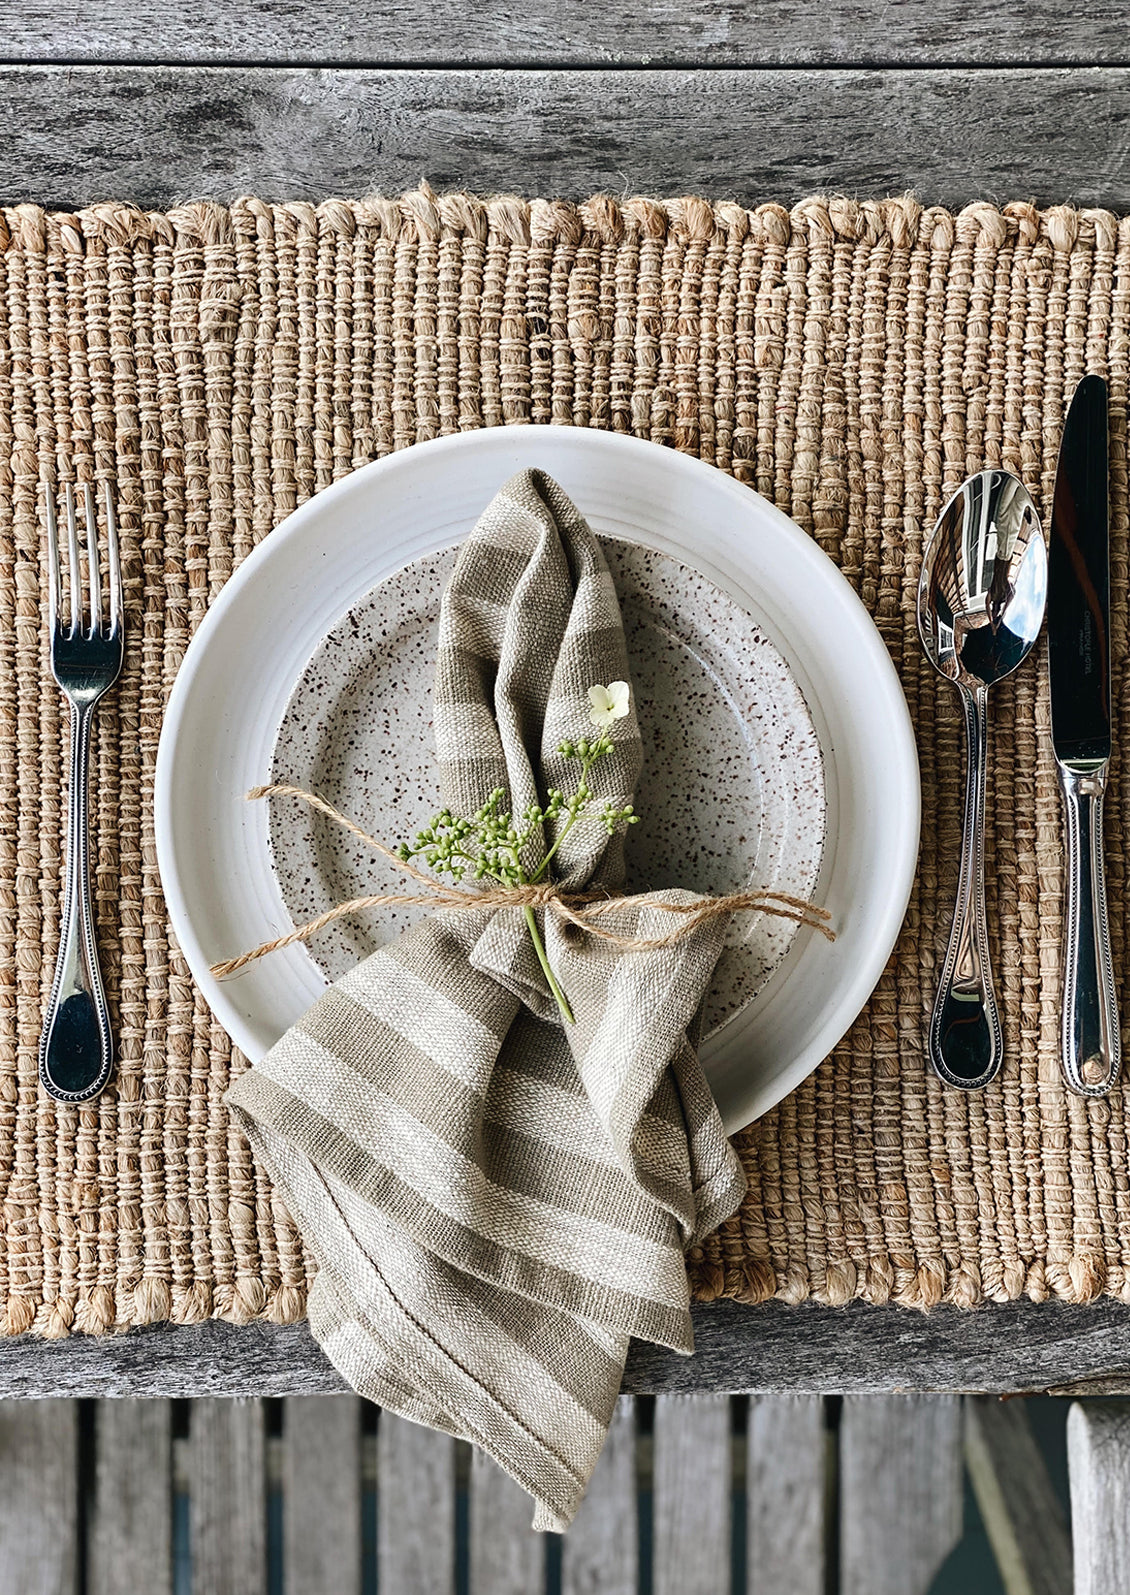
580,909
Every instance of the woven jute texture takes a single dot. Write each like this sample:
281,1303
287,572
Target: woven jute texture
851,362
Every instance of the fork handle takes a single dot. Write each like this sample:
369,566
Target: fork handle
76,1051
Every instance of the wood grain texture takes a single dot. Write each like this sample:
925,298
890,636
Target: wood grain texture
415,1508
39,1498
900,1492
600,1553
154,135
1112,1384
507,1557
1098,1458
771,1349
228,1497
786,1495
129,1528
691,1495
664,32
322,1495
1019,1507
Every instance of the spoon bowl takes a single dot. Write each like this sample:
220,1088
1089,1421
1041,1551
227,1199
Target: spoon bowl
984,582
981,599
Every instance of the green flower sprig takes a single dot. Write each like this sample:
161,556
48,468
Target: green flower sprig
489,846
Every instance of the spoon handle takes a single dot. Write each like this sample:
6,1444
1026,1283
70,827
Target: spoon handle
1091,1044
966,1046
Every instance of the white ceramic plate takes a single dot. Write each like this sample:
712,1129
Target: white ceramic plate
731,793
242,665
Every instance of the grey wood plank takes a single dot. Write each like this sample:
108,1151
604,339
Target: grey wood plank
668,32
322,1495
1109,1384
39,1498
900,1492
153,135
691,1486
130,1514
1021,1512
1098,1459
600,1552
507,1557
415,1508
228,1497
786,1495
770,1349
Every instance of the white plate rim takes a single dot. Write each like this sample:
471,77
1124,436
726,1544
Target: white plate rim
881,795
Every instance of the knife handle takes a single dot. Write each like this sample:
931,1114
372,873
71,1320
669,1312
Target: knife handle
1091,1049
966,1046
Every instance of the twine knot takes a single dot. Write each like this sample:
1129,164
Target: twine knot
541,896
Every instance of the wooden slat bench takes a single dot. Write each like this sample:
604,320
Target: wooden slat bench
785,1495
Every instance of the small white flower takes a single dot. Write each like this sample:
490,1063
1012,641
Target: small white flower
608,703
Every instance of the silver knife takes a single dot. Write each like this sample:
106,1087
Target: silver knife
1079,673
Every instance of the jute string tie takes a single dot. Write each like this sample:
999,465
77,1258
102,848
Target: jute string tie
580,909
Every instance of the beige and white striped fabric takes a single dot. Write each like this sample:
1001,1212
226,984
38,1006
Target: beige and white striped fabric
498,1201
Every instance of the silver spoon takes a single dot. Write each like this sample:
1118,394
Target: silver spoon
981,603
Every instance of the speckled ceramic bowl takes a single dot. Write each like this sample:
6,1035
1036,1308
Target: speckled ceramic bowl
732,790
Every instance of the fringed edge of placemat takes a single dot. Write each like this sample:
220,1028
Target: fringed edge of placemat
428,216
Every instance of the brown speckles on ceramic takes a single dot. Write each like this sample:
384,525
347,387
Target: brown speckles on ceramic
732,790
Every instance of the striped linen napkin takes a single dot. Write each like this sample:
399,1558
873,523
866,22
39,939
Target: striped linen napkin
497,1201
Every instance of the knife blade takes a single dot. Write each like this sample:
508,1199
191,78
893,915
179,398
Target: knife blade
1079,677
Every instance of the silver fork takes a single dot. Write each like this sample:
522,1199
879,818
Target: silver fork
76,1050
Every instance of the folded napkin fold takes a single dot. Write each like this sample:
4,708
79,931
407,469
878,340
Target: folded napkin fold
497,1200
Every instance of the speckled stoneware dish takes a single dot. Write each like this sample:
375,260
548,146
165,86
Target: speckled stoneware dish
732,790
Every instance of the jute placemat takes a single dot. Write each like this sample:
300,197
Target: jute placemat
851,362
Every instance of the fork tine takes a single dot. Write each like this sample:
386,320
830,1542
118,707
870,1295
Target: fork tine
116,616
52,559
73,560
93,574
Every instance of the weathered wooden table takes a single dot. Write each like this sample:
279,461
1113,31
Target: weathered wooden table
291,100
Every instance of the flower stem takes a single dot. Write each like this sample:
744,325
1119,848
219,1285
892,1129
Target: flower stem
561,835
586,766
543,960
